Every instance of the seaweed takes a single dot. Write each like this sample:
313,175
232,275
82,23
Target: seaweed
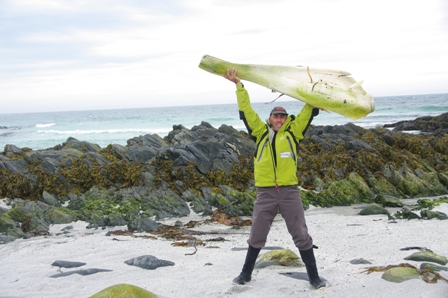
428,275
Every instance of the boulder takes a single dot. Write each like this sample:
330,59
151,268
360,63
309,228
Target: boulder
373,209
429,214
148,262
408,214
11,150
142,223
82,146
388,201
124,291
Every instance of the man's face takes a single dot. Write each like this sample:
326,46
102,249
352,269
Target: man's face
277,120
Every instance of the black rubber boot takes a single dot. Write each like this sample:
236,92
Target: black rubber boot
311,268
246,273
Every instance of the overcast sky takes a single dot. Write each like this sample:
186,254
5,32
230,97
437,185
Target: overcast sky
85,55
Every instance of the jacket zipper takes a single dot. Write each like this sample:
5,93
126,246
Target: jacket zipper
291,148
274,162
262,149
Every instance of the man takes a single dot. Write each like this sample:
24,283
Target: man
275,172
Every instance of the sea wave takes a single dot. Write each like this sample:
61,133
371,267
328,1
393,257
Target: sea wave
219,119
45,125
438,109
104,131
6,134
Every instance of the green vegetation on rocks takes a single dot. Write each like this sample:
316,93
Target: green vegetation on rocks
204,169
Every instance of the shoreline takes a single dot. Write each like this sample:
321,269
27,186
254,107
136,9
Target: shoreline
56,129
339,232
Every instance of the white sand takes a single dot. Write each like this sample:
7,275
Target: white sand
340,233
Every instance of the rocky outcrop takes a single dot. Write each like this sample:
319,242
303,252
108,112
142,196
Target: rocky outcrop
206,168
437,125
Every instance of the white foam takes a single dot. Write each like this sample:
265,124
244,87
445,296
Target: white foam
45,125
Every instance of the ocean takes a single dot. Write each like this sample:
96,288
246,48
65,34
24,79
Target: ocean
104,127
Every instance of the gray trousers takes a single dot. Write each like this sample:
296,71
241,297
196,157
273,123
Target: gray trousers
291,208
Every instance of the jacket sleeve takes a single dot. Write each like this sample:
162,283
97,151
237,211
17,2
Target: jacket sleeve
303,120
251,119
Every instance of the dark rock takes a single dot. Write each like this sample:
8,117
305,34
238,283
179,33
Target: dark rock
423,124
357,145
407,214
82,146
50,199
12,150
3,158
352,189
15,166
142,224
62,155
7,238
388,201
137,153
359,261
212,156
67,264
351,128
388,139
91,158
338,130
33,217
34,211
373,209
165,204
118,151
146,179
213,168
429,214
59,215
317,140
148,262
50,165
3,210
148,140
114,219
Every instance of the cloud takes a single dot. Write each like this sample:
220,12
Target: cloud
114,54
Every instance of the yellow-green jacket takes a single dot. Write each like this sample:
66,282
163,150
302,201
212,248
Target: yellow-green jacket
275,161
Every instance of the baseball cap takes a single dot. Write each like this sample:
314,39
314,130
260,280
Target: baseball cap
279,110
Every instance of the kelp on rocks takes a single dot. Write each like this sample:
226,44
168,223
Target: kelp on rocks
205,168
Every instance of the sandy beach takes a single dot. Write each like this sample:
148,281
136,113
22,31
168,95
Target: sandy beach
341,234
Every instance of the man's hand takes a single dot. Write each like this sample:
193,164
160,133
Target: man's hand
231,76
